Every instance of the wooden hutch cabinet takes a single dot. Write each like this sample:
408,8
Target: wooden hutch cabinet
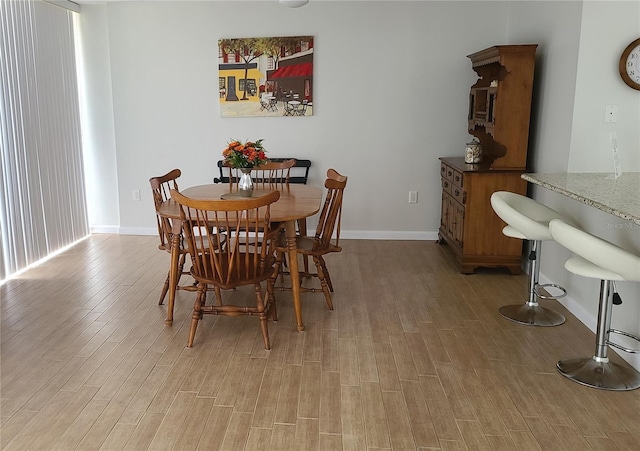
499,113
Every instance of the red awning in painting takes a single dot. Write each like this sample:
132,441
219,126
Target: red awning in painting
295,70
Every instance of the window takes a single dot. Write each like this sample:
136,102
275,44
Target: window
42,199
251,86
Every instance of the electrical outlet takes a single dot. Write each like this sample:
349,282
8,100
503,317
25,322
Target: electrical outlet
611,113
413,197
136,194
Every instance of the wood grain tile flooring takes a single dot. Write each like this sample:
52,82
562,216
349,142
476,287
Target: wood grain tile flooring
414,357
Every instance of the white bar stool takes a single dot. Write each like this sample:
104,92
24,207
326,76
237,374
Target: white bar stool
599,259
529,220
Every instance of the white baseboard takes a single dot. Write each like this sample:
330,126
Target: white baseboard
138,231
106,229
345,234
116,230
387,235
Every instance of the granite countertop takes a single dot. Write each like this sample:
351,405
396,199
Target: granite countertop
620,197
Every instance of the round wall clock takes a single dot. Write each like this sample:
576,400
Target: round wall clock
630,65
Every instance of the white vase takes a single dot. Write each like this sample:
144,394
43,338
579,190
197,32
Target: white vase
245,184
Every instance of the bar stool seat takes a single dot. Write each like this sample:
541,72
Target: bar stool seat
528,219
599,259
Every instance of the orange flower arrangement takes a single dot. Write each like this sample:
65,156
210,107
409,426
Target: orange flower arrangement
248,155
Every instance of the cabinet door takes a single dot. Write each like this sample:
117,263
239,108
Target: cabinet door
447,218
452,219
444,213
458,222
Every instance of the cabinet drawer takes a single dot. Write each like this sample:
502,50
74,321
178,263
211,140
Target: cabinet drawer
458,194
446,185
443,170
446,172
457,178
452,182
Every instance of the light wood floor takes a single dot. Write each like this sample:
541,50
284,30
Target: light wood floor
414,356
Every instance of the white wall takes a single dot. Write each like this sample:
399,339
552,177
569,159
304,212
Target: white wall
598,84
556,28
391,83
98,136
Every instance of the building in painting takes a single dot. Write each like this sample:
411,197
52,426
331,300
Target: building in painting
231,82
294,73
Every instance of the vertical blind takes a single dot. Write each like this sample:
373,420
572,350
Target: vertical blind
42,203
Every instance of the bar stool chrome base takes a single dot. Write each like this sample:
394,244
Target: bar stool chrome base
603,375
529,220
531,315
599,259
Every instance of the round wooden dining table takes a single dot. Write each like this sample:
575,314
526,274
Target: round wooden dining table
296,202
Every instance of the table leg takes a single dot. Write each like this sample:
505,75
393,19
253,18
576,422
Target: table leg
173,275
290,229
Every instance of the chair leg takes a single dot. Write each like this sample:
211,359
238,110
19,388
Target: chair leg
598,371
302,228
197,313
203,301
179,272
181,265
280,260
264,326
326,273
323,281
218,293
270,292
531,313
165,290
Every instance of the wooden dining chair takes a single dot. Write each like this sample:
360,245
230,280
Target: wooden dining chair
276,171
323,242
273,173
160,188
234,264
270,175
299,172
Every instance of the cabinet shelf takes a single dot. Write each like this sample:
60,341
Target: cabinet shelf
500,103
482,105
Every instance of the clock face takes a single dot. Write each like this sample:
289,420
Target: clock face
630,65
633,64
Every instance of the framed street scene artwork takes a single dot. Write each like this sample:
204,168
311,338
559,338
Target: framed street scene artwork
266,76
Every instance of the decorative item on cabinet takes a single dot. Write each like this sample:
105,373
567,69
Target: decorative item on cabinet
499,114
473,152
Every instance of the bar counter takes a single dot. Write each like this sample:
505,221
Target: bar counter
620,197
